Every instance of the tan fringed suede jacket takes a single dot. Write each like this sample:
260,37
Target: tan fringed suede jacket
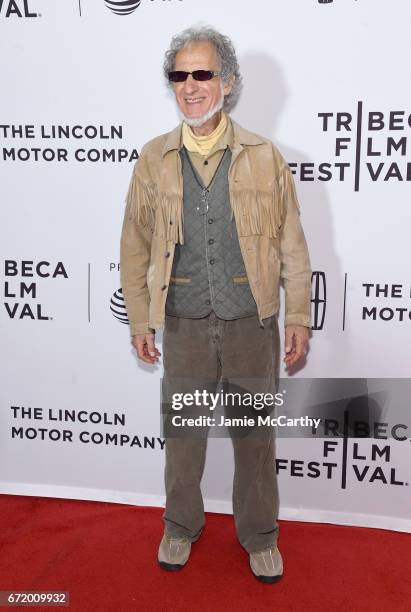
266,211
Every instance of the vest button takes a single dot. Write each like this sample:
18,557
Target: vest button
167,254
211,261
206,163
171,223
210,220
208,301
211,241
163,287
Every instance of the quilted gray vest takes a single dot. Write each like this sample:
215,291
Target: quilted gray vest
208,271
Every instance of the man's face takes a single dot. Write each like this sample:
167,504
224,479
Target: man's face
196,98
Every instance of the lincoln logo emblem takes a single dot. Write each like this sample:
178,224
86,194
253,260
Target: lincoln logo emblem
319,298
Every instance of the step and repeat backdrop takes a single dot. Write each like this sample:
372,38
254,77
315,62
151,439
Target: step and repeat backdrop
81,92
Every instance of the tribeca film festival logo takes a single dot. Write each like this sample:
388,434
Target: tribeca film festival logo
371,463
17,8
366,145
20,296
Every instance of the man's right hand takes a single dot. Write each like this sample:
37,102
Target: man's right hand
145,347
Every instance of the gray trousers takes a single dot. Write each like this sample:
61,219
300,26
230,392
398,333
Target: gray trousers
211,348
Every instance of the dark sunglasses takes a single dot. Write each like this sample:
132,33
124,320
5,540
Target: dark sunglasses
178,76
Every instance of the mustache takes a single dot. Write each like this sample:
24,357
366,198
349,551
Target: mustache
199,121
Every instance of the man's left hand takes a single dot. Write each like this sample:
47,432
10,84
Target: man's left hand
296,343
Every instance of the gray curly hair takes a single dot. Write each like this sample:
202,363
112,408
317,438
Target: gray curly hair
225,51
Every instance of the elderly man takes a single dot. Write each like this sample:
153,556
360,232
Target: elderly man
211,226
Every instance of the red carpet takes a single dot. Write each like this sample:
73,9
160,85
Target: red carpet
105,556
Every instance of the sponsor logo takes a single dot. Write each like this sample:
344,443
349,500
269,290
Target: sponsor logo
122,7
319,299
78,426
118,306
63,142
386,302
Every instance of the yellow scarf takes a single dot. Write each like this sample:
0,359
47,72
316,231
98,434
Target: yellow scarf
203,144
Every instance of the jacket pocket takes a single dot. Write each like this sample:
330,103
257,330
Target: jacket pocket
270,277
250,249
240,280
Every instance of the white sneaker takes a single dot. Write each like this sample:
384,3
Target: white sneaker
267,565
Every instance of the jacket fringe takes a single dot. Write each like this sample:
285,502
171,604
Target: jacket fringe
257,212
141,203
287,189
169,221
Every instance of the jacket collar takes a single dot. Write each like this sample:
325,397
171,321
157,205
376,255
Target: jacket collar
241,137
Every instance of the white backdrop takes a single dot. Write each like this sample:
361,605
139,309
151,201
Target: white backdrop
314,73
